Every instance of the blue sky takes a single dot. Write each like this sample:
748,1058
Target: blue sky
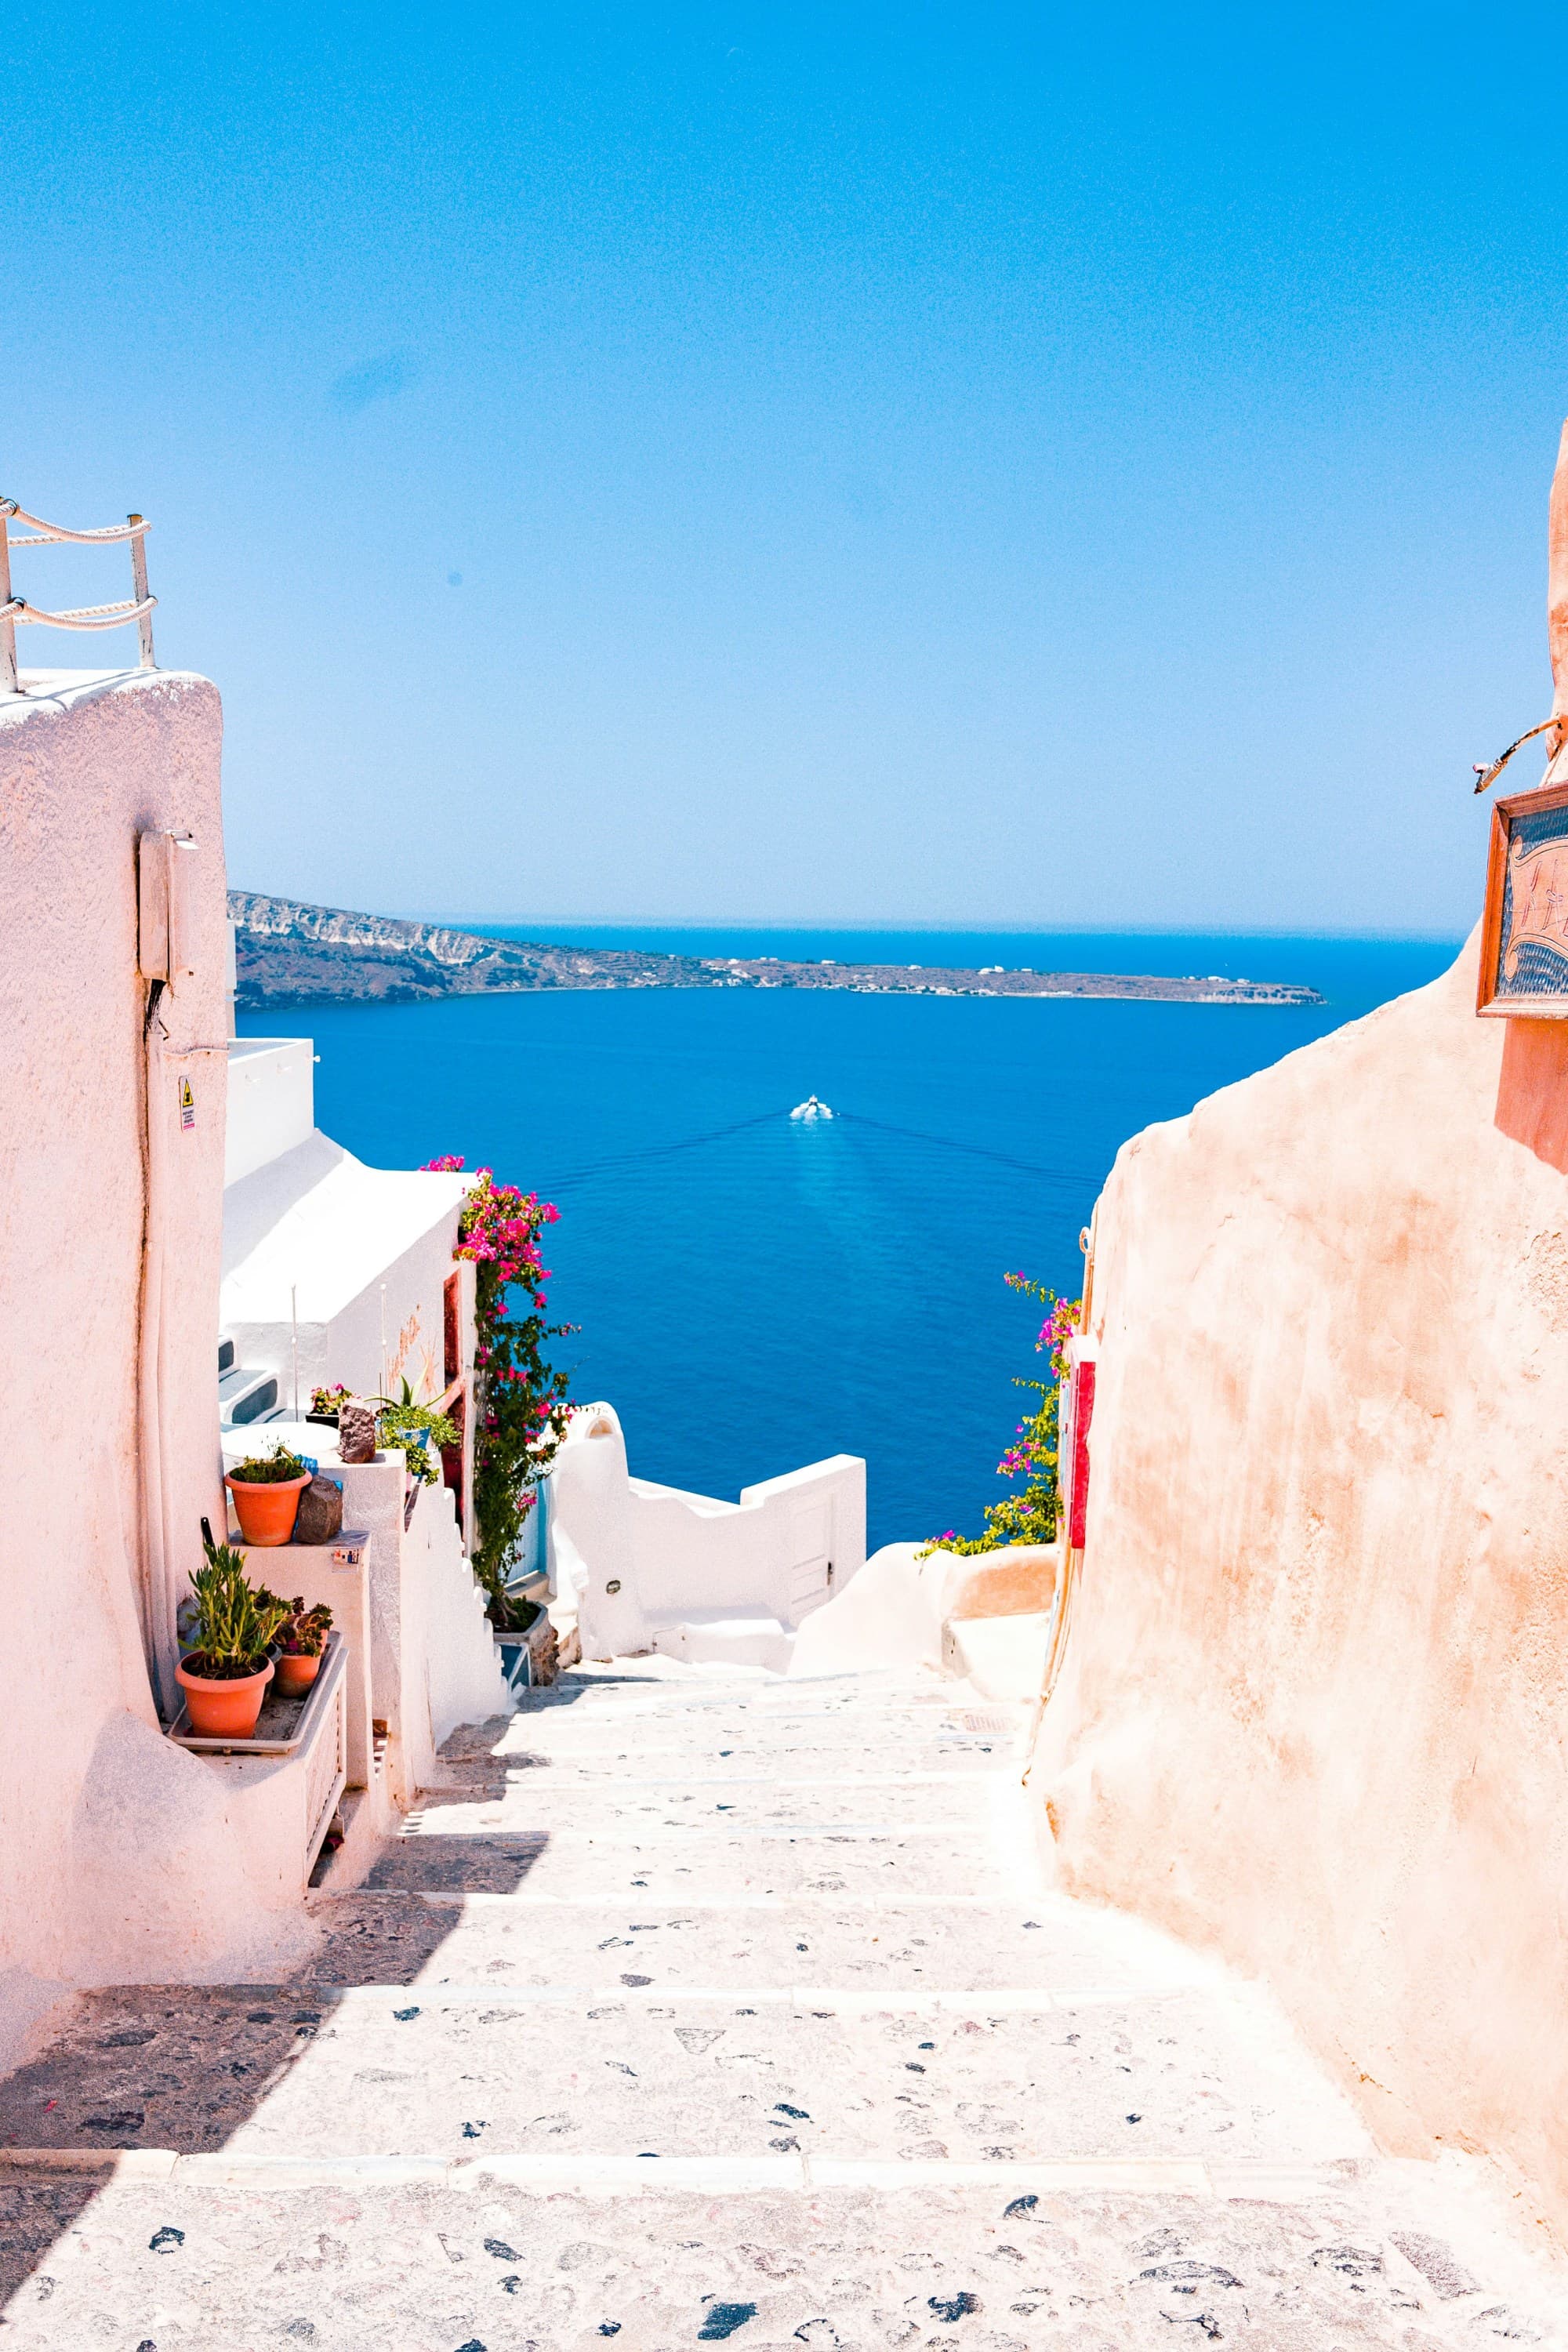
930,465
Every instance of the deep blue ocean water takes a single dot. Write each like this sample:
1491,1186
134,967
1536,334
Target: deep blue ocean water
755,1293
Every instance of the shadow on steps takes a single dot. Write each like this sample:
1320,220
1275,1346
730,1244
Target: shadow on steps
186,2066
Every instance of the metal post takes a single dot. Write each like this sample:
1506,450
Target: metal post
139,589
9,683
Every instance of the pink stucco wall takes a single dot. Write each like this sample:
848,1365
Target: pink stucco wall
116,1857
1314,1707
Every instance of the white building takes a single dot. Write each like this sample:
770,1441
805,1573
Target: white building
337,1274
125,1855
166,1198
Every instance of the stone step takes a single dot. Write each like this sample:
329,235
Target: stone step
715,1637
681,1742
392,1938
579,1701
760,1803
1004,1658
660,1770
875,1863
733,1753
1382,2258
244,1395
384,2072
588,1696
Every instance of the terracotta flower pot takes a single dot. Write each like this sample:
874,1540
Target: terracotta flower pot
223,1710
266,1511
295,1676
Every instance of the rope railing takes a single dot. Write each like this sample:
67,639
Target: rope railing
16,612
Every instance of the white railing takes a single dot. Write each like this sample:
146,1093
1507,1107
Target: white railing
654,1568
16,611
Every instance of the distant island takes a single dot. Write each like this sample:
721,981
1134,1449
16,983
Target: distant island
289,953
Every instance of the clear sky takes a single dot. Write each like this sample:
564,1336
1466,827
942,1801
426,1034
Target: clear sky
923,463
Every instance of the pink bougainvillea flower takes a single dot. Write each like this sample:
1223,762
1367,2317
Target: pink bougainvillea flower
521,1407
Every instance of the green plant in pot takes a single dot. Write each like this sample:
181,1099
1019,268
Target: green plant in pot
267,1489
421,1432
301,1643
225,1670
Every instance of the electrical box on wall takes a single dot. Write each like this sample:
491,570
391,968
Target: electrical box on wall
165,879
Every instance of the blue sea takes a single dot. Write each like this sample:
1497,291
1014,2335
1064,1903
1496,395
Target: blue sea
755,1293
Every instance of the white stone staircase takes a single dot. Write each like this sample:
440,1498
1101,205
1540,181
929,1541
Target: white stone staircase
244,1393
694,2010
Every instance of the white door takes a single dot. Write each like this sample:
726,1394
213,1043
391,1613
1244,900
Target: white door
811,1562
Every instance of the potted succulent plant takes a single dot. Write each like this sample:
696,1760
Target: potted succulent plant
267,1490
225,1670
302,1639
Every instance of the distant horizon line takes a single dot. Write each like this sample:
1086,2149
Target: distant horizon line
845,925
1011,930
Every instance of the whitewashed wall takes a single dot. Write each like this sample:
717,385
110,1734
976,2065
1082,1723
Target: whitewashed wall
694,1576
117,1858
351,1261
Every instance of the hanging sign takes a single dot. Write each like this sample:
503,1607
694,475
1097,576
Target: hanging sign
1524,936
1524,933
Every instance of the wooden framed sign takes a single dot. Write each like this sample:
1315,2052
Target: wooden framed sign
1524,937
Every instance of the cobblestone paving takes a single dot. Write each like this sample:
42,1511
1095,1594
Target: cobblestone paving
694,2010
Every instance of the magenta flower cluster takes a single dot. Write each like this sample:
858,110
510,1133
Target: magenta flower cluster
502,1224
1030,1517
521,1405
1060,1323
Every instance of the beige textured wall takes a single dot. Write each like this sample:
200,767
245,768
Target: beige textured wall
1314,1708
116,1857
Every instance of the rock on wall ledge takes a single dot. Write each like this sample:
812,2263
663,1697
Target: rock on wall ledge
1314,1707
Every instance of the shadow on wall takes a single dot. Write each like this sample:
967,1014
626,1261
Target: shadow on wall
187,2067
1532,1090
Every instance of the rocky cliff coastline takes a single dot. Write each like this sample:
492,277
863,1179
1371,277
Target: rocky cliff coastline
287,952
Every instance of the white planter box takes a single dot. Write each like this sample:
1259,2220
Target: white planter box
283,1791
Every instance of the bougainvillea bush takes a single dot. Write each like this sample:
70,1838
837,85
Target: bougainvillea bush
1028,1515
520,1408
